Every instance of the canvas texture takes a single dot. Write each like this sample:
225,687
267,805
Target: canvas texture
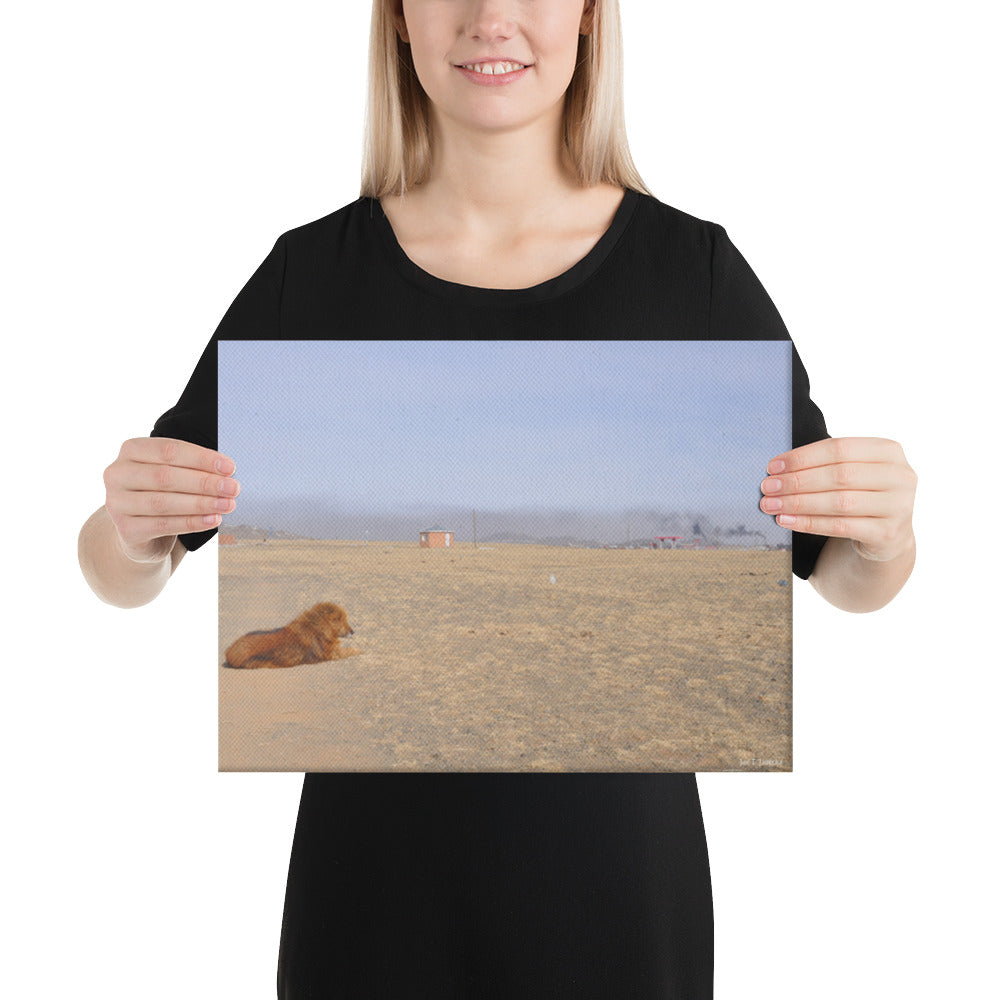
549,556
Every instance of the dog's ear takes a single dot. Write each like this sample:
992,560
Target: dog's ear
317,639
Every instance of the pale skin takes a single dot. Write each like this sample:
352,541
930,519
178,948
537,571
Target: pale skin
503,209
859,492
156,489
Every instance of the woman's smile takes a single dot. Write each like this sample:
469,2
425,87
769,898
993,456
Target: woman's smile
495,74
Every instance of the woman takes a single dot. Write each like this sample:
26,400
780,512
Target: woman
499,198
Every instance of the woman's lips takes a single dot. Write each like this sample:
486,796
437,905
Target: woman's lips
498,80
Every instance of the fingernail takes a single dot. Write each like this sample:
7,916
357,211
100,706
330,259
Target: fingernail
775,467
228,487
225,466
786,519
771,504
211,520
771,485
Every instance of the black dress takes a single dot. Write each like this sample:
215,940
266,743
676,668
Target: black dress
499,885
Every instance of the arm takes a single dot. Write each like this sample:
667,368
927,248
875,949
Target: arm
157,489
852,582
859,492
115,577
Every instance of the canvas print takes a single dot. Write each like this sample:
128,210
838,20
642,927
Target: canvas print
504,556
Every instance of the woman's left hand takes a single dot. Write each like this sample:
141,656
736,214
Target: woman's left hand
856,488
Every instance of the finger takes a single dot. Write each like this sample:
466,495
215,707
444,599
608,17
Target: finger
173,452
873,537
147,477
833,451
865,530
849,476
157,504
842,503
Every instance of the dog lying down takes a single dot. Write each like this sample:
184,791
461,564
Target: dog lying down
313,637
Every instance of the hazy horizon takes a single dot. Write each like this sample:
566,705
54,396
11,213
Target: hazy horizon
591,439
308,518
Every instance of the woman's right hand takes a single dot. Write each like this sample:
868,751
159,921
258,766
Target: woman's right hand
159,488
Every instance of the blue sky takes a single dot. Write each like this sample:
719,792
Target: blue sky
554,425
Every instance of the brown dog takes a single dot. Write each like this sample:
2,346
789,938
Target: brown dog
312,638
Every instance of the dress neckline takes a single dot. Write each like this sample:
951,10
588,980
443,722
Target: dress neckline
569,279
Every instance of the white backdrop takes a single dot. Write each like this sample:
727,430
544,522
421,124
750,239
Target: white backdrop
155,152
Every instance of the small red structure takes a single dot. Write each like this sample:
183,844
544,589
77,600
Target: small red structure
227,539
436,538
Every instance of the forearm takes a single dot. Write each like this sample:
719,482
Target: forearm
852,583
113,576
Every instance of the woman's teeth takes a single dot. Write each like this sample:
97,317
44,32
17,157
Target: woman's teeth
495,69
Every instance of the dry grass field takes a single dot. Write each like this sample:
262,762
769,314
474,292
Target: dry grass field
474,660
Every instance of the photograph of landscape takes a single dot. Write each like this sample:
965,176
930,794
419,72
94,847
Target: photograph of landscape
550,554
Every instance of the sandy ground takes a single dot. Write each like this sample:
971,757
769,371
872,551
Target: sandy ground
474,660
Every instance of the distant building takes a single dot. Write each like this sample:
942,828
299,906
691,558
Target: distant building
436,538
660,541
227,539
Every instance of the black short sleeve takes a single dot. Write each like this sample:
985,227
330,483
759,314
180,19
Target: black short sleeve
255,314
741,309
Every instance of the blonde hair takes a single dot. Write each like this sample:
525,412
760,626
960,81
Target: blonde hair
397,140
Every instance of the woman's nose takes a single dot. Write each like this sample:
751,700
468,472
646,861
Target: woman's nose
489,19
